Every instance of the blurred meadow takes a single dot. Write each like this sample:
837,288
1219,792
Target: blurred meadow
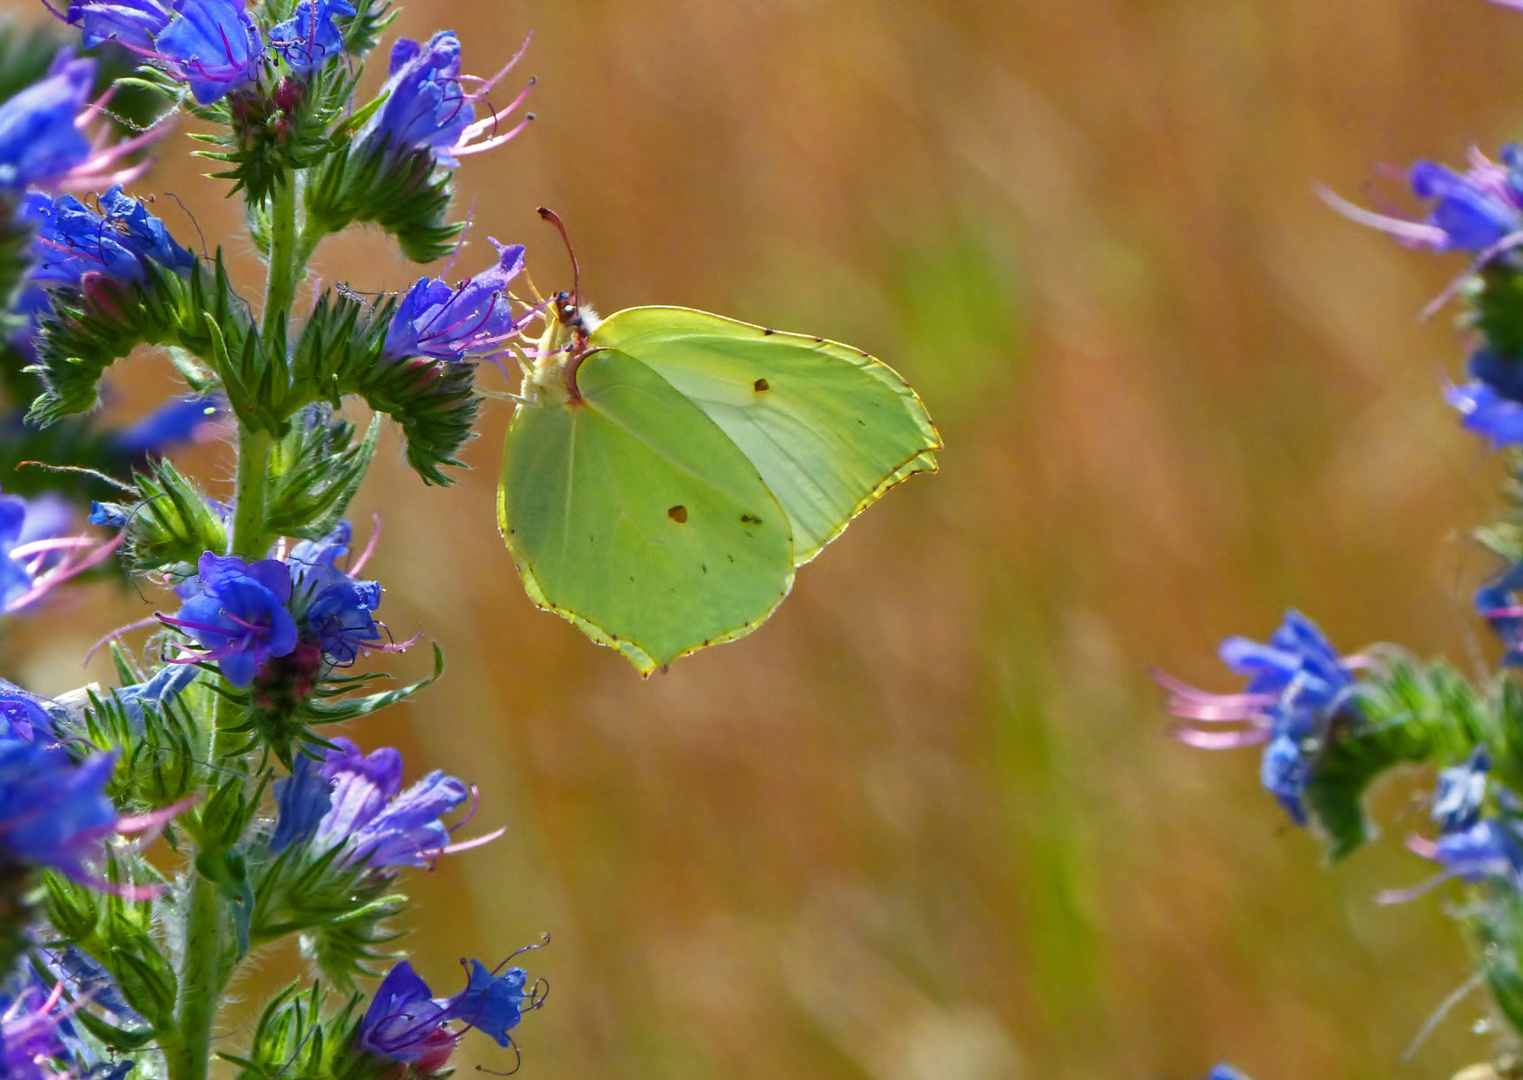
927,823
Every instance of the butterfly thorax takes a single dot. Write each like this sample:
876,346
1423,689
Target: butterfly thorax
558,354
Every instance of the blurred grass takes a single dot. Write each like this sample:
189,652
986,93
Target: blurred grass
927,823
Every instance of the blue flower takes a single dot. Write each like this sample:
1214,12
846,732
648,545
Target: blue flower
338,610
40,143
178,420
368,813
134,23
34,558
1461,791
405,1022
212,45
1495,602
85,979
30,1020
1491,849
23,716
167,683
309,36
1504,374
73,240
302,800
1297,684
1488,413
474,319
425,106
1475,211
53,812
237,612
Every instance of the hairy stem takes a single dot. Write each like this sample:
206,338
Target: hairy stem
205,969
201,983
286,262
248,538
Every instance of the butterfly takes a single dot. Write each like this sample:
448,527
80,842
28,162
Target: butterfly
667,470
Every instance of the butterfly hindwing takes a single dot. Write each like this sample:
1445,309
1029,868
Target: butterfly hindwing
632,514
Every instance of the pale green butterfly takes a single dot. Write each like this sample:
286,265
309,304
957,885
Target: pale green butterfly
666,470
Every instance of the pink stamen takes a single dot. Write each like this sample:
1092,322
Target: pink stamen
466,845
1416,232
482,147
63,573
395,646
1220,740
375,535
35,547
141,624
486,86
154,818
1412,892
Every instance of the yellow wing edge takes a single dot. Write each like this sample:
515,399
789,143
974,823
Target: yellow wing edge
922,460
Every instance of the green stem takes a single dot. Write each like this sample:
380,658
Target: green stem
247,540
286,261
205,969
201,983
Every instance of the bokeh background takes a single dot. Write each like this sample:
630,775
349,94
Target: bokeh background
927,823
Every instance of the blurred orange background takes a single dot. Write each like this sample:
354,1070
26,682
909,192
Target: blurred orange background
927,823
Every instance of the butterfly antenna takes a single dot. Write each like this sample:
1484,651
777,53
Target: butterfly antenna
576,272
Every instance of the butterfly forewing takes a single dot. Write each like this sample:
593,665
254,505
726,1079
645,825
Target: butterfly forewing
632,514
827,427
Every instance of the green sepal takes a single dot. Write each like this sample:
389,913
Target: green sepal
314,472
406,193
294,1041
341,352
118,933
267,133
172,522
436,403
156,766
84,333
112,1035
1405,713
220,822
340,910
1497,308
362,31
229,872
293,693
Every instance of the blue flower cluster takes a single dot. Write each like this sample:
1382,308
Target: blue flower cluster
1297,685
405,1022
36,1034
355,801
425,105
472,320
244,615
53,812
